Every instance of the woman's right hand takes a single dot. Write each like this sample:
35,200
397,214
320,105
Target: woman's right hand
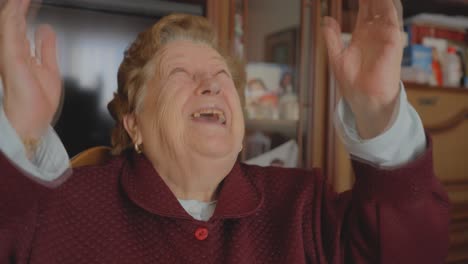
31,83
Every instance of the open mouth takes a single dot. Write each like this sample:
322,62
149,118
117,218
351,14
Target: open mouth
210,115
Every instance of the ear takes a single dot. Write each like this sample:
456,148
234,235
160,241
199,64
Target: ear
131,126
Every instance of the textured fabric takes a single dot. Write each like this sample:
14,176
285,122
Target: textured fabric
122,212
402,141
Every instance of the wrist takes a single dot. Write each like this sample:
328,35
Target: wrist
373,119
29,136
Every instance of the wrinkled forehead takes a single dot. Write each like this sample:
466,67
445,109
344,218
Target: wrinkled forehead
188,51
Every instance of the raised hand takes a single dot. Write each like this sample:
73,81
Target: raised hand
368,70
32,84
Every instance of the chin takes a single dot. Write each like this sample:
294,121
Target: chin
216,148
216,154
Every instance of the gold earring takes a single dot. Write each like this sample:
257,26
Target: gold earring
137,148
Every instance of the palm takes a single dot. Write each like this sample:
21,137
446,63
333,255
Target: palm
372,59
368,70
32,84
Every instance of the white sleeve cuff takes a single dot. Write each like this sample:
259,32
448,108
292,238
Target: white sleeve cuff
50,160
402,141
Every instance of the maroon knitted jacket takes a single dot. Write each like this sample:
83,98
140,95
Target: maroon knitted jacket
122,212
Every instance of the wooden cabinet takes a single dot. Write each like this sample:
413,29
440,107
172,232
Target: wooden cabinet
444,113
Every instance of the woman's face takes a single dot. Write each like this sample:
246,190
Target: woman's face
191,106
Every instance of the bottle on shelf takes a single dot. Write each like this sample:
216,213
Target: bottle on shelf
452,68
289,105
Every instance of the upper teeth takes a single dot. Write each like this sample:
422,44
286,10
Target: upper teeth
212,111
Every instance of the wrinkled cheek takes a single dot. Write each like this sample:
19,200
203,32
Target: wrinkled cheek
168,127
239,122
240,131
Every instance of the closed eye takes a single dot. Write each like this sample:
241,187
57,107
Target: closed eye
223,71
178,70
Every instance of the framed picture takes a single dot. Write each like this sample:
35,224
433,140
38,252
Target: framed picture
280,47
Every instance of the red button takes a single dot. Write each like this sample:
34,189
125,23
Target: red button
201,233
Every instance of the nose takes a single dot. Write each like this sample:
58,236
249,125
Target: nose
208,86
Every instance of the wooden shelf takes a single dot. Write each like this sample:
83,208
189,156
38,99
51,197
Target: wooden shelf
285,127
427,87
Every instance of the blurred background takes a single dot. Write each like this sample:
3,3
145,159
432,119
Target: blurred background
290,95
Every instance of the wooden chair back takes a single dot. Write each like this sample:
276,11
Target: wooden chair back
91,157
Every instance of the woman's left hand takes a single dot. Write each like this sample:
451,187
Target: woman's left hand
368,70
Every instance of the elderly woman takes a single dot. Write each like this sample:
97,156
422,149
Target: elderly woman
174,192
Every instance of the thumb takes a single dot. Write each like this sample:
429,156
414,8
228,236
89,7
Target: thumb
332,34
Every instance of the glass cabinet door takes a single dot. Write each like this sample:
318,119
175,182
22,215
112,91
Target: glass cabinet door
272,106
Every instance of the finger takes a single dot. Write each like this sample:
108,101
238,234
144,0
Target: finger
24,6
8,6
13,7
384,9
332,33
3,4
379,6
399,10
363,12
46,47
38,38
14,43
